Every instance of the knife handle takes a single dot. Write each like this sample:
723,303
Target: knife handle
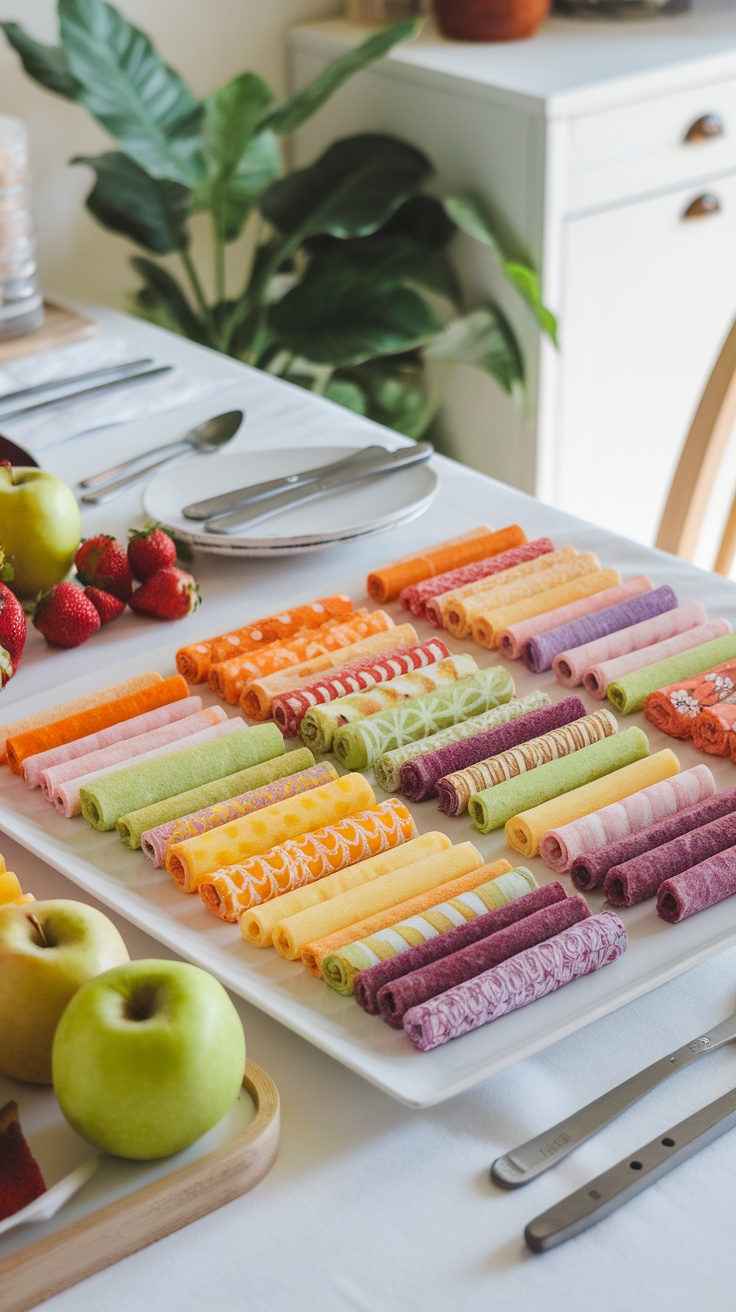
246,496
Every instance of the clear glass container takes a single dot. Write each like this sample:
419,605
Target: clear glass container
21,305
619,8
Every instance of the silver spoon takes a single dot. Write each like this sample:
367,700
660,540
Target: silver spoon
209,436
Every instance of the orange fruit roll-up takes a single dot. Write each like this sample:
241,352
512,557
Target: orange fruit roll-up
15,727
386,583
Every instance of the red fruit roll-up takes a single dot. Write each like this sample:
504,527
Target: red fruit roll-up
418,598
700,887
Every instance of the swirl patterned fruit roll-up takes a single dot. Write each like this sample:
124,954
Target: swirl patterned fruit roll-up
193,860
386,583
416,597
298,861
65,710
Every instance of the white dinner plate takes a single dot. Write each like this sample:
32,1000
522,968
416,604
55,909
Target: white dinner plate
341,516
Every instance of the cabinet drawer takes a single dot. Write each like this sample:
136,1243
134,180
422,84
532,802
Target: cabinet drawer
643,147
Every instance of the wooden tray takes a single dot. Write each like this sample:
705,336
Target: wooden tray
43,1266
60,328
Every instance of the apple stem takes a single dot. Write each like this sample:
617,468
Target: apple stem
39,930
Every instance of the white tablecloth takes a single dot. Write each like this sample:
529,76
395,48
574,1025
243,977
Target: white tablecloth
373,1207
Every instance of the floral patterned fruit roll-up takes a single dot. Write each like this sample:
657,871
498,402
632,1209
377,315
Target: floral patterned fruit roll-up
599,677
192,860
492,807
455,790
386,583
418,778
445,933
319,725
513,641
563,847
298,861
71,709
358,745
289,709
228,678
523,563
488,625
634,881
417,597
680,685
194,660
714,728
460,608
156,842
547,649
703,886
537,971
388,767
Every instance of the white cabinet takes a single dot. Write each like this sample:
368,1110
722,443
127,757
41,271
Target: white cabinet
578,140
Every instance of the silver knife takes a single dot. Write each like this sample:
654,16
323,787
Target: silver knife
391,461
58,384
245,496
82,392
535,1156
630,1176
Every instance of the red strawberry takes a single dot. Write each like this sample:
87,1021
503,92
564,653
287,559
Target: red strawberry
107,607
65,617
102,561
149,549
20,1176
169,594
13,627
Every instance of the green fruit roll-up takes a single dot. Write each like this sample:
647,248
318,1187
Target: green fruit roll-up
132,826
491,808
628,693
105,800
358,745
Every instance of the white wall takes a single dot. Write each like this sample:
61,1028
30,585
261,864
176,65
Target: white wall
207,41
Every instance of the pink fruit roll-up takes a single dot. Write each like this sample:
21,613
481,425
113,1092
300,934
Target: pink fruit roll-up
156,842
34,766
289,709
513,640
598,677
570,667
531,974
422,600
66,796
697,889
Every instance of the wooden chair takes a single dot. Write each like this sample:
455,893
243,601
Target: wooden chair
697,471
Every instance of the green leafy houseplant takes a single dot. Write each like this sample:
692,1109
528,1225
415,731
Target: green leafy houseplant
346,286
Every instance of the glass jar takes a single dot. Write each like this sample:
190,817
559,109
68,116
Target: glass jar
21,305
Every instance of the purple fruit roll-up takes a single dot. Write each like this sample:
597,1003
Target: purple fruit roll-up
540,651
634,881
700,887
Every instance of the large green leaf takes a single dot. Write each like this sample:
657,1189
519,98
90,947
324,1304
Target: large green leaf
425,219
45,64
348,394
127,87
485,340
395,395
164,289
304,103
349,191
526,281
409,262
127,200
242,160
344,321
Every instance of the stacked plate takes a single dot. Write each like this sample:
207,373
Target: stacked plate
344,515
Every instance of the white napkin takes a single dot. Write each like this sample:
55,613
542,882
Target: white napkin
44,428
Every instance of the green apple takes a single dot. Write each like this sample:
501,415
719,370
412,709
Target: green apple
148,1057
40,528
47,951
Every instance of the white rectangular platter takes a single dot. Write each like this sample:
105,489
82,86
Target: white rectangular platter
125,881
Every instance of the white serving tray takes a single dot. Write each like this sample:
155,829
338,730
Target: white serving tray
125,881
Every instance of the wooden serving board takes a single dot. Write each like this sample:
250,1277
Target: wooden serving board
47,1265
60,328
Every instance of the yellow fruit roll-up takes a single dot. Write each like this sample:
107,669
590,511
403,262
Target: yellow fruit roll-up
299,861
451,604
462,614
190,862
488,625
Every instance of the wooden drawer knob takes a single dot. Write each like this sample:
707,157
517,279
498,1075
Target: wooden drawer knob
705,127
701,206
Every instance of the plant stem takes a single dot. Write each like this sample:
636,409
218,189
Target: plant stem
219,260
200,297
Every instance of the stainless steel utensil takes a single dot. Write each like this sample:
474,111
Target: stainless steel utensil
208,436
389,462
537,1155
59,384
116,384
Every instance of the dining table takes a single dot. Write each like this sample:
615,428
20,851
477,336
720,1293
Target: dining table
373,1205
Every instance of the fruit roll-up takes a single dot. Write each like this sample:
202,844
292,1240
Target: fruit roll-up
537,971
294,932
655,625
516,565
713,729
258,694
233,889
634,881
359,745
598,678
315,954
192,860
455,790
289,709
156,842
546,650
524,831
257,924
396,998
105,800
565,846
320,724
417,596
459,609
487,625
419,776
446,936
194,660
386,583
698,888
680,691
492,807
513,641
134,824
65,793
228,678
62,727
388,768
